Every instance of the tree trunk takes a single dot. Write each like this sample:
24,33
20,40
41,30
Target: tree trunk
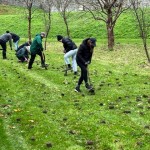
67,27
146,50
110,31
29,24
110,36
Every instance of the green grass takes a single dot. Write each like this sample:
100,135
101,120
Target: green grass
81,26
39,107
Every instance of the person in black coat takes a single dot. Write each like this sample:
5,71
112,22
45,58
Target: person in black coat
15,38
28,43
70,50
84,56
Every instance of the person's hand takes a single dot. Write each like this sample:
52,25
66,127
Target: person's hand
87,62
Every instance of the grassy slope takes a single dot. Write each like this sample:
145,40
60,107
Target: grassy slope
40,106
80,26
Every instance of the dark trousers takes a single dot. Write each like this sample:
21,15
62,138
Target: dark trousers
3,44
33,57
22,59
83,76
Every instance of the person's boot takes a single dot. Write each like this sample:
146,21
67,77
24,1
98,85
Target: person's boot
69,67
77,88
29,67
4,57
75,73
88,87
44,65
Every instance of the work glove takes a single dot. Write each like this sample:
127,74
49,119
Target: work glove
87,62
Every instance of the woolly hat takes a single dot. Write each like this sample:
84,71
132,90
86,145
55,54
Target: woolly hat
59,37
93,40
43,34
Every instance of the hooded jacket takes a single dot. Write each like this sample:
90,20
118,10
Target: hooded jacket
68,44
36,45
84,53
15,37
21,46
6,37
22,52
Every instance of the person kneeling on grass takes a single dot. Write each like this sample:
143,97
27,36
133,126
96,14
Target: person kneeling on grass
36,49
23,54
84,56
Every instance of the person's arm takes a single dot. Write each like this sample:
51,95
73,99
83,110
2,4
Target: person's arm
80,53
10,41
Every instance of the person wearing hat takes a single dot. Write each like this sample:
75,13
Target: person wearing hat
70,50
36,48
84,56
3,40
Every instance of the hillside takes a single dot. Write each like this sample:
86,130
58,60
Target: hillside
14,19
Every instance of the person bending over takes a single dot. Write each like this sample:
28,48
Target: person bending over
37,49
84,56
3,40
70,50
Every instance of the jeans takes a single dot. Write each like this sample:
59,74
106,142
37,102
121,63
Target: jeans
16,45
71,53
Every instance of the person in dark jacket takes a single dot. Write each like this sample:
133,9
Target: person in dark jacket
36,49
70,50
28,43
84,56
23,54
3,40
15,38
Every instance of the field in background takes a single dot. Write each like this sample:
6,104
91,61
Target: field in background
14,19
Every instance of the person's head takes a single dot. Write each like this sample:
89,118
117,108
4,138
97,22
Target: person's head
59,38
91,42
43,35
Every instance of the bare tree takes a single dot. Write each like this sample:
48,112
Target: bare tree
107,11
143,19
29,6
47,9
63,8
